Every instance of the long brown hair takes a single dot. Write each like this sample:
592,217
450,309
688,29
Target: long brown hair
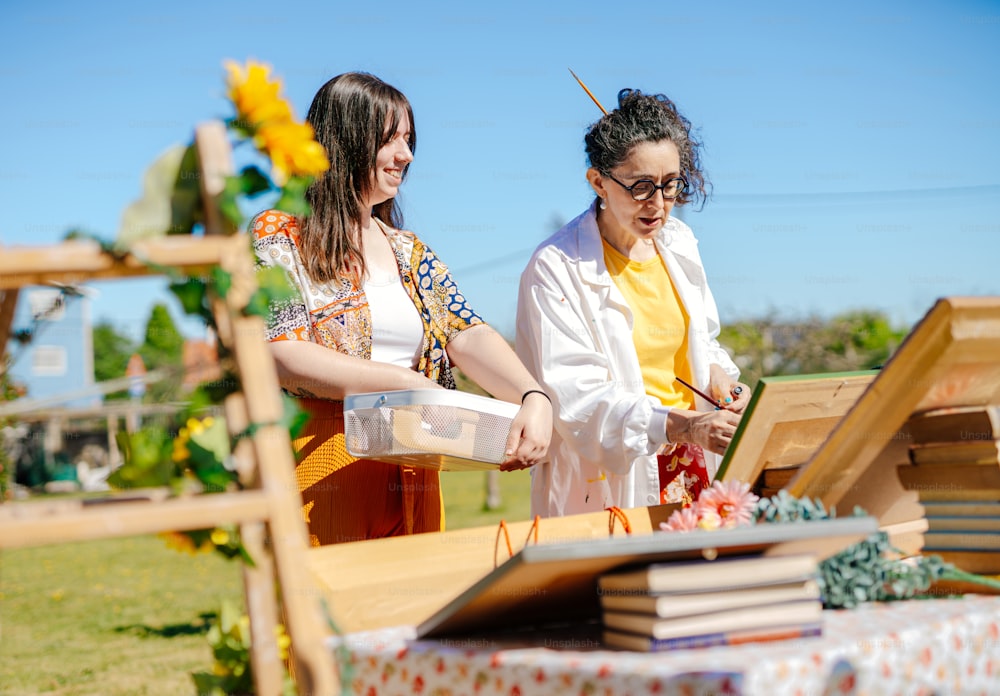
354,115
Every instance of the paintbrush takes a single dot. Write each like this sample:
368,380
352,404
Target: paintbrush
589,93
699,392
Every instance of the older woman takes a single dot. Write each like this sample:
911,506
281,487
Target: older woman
613,310
375,310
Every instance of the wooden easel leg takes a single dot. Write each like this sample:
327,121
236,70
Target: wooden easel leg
262,607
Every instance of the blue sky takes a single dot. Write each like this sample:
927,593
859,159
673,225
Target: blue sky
853,147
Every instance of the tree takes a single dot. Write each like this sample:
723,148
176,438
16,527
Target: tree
852,341
163,347
111,353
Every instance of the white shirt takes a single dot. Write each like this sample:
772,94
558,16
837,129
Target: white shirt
397,332
574,333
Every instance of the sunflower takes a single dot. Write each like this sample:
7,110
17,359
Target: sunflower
256,97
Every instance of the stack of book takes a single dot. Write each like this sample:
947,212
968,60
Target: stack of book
955,470
727,601
773,480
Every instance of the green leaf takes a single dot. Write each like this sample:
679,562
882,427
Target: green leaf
191,294
186,208
221,281
293,196
253,181
293,417
148,462
273,287
151,214
229,199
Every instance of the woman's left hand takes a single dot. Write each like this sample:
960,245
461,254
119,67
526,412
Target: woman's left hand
732,395
530,432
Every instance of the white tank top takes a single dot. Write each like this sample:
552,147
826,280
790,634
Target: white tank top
397,331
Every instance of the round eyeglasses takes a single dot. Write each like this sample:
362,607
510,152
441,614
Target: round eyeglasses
644,189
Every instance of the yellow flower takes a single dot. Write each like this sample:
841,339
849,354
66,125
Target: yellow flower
179,542
283,640
220,537
293,150
255,96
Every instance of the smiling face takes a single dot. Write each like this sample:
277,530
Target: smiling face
625,221
390,164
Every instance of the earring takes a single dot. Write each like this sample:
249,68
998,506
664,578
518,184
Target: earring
604,204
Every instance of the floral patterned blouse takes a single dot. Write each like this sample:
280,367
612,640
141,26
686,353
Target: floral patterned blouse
336,314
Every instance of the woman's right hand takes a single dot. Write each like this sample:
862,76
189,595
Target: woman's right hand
530,433
713,430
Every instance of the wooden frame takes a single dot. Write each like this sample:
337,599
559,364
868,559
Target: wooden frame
268,508
950,358
787,420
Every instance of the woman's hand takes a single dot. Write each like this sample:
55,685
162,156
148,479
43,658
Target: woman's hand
530,432
713,430
732,395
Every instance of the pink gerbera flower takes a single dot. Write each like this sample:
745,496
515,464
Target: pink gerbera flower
683,520
732,502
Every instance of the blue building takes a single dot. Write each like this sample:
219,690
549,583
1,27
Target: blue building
59,359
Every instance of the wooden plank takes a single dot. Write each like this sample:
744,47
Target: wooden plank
8,303
75,262
215,164
262,608
314,668
36,524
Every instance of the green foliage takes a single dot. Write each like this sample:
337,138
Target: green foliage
293,196
230,641
162,347
852,341
147,459
869,571
273,287
112,351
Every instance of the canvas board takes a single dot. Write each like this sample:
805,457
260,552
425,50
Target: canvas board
557,583
788,419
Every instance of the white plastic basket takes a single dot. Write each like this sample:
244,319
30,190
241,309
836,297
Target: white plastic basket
432,428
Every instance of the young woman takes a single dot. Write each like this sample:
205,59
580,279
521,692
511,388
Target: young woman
612,309
376,310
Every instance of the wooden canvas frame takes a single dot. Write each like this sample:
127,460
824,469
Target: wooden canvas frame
788,419
950,358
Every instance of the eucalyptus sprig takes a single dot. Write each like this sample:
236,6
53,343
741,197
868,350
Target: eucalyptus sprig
870,570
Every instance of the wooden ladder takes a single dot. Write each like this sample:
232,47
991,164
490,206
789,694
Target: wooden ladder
267,507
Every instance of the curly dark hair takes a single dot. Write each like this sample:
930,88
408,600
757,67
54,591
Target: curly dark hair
647,118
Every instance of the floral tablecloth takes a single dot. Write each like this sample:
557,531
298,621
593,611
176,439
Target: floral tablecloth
933,646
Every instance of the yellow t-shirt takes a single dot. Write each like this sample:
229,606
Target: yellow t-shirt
660,328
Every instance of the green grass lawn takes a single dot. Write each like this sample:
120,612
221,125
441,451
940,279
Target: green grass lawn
128,616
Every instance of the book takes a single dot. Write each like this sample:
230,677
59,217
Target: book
959,452
954,492
631,641
955,424
952,477
974,541
963,524
743,618
687,603
777,478
720,574
939,508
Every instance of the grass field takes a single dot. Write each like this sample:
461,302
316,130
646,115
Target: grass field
128,616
